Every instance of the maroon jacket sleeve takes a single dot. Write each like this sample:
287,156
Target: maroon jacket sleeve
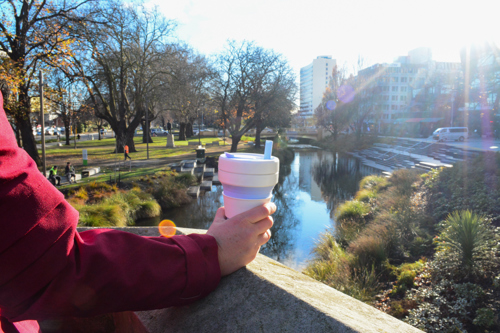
48,270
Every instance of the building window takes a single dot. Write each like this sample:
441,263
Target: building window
395,88
403,79
403,89
411,79
402,98
394,107
395,97
385,88
386,97
386,107
395,79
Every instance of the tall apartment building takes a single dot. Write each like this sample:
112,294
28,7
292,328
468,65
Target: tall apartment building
313,81
406,86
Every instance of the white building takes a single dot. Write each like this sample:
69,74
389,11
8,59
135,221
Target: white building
313,80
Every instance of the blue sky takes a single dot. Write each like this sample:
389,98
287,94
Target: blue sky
301,30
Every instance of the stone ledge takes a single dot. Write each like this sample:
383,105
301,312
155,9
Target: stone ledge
268,296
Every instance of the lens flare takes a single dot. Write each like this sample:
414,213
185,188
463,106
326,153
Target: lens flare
331,105
167,228
345,93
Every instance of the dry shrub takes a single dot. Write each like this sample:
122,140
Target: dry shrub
368,251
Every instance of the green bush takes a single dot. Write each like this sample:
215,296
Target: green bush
365,195
102,215
470,238
373,183
352,210
485,317
148,209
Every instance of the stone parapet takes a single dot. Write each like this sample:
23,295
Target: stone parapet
268,296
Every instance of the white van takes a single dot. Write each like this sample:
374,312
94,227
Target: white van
451,133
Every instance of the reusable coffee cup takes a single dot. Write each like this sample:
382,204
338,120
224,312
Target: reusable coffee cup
248,179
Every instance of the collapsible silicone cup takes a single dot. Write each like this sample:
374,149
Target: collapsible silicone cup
247,177
235,206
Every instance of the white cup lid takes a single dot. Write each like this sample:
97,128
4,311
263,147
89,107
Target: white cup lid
250,164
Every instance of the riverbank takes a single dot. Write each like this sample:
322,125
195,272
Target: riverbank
408,246
138,195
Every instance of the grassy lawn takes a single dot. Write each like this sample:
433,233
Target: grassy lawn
103,149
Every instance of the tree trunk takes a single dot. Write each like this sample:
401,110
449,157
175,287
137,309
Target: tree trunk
18,137
234,143
130,141
67,129
258,129
182,131
189,130
29,144
146,134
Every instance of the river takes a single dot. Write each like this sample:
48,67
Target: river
309,190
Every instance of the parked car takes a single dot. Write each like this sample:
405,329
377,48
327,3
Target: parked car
451,133
158,131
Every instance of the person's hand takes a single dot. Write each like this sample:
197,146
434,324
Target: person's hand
240,237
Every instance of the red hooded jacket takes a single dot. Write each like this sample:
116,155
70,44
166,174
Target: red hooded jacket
48,270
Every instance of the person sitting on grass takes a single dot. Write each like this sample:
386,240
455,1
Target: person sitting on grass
49,270
70,172
53,177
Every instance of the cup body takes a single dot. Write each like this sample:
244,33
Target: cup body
248,181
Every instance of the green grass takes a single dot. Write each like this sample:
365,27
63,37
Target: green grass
103,149
354,209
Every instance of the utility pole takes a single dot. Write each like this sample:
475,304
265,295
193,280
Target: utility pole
147,130
43,125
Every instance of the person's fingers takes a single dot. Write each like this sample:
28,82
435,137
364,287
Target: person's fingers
221,214
258,213
264,238
263,225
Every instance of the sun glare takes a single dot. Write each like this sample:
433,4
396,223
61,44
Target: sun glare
167,228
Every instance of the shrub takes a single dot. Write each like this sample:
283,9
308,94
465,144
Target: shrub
82,194
485,318
332,265
403,181
365,195
102,215
467,236
373,182
185,179
352,210
148,209
368,251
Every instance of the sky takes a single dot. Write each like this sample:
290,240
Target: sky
378,31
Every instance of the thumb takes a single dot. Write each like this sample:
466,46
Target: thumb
220,215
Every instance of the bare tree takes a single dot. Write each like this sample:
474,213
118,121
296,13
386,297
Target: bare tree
33,33
249,80
188,89
120,68
333,113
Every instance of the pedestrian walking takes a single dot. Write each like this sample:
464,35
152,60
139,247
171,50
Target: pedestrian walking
125,152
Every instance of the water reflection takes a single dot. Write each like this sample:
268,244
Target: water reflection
282,241
309,190
338,177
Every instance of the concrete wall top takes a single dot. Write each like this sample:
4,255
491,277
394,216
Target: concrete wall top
268,296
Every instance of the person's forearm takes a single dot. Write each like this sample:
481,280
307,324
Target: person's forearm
48,270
